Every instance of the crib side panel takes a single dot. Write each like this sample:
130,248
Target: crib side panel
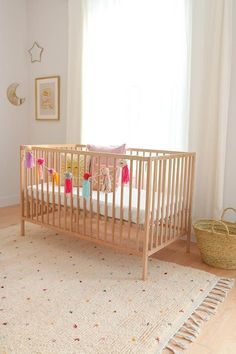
171,204
115,216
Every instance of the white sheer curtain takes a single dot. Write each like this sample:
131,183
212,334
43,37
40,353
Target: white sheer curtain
134,73
211,57
154,73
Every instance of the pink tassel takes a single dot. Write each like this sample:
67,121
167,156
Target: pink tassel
68,182
40,162
68,185
125,174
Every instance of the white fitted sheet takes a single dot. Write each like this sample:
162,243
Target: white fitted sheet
102,196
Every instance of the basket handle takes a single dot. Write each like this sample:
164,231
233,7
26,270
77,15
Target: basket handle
224,211
222,223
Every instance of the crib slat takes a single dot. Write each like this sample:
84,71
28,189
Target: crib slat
147,218
42,194
34,195
184,196
153,203
136,170
105,217
114,199
163,189
158,201
37,188
187,192
121,211
176,199
31,195
53,190
59,188
192,173
71,193
172,198
84,201
98,198
78,195
130,198
22,189
138,204
65,199
47,187
143,172
167,221
180,197
27,191
91,203
189,187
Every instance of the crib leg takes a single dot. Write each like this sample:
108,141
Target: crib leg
145,267
22,228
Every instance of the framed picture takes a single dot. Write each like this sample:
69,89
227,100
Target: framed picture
47,98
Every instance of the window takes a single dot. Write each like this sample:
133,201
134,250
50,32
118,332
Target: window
134,73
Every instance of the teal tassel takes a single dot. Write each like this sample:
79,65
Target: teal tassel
86,189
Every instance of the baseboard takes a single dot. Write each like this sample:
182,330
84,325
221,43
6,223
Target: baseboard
10,200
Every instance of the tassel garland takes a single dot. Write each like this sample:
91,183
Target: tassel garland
104,173
86,185
29,160
68,182
40,163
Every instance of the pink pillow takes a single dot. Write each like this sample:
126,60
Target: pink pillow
110,162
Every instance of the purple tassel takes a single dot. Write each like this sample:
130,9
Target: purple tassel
29,160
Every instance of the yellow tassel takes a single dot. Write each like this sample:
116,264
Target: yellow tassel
55,177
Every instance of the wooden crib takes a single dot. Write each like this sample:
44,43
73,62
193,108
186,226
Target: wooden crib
153,210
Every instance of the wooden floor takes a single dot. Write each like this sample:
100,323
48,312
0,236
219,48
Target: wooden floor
218,336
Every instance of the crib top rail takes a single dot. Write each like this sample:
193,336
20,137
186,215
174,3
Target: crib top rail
131,153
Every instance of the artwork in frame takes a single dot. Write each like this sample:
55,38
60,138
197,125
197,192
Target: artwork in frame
47,98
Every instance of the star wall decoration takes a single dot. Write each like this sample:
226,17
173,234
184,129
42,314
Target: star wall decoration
35,52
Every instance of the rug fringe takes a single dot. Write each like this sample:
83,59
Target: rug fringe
191,328
173,350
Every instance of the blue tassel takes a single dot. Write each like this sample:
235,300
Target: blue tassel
86,189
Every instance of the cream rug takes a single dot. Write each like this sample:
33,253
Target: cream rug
61,295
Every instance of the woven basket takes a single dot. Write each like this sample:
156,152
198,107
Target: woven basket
217,241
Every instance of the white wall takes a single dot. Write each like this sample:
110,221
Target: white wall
14,123
230,167
21,23
47,24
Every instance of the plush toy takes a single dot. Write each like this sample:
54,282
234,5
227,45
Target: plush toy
106,180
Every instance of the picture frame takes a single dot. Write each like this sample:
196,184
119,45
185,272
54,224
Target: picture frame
47,98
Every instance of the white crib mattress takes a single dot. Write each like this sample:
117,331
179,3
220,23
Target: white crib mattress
102,197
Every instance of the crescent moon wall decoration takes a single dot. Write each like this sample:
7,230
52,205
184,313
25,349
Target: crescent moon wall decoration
12,97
